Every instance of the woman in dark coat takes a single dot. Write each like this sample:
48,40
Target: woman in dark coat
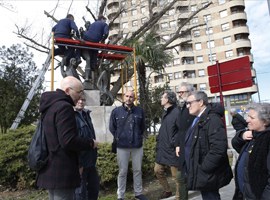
252,171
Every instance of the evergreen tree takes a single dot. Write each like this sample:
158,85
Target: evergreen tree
17,75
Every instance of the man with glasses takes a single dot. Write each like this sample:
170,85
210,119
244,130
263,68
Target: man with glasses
206,160
61,175
89,187
127,124
185,121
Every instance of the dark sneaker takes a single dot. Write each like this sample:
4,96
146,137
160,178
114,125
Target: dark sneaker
165,195
141,197
120,199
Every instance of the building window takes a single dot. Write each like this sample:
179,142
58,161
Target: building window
221,1
207,18
202,86
198,46
171,12
227,40
196,33
223,13
193,8
199,59
124,14
211,44
209,31
201,72
134,12
172,24
176,61
195,20
229,53
212,57
125,25
144,20
177,75
164,26
225,27
170,75
143,10
135,23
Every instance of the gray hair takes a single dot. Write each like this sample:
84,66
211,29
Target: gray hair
263,110
200,95
188,86
233,110
171,96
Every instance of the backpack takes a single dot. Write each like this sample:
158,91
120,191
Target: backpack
38,151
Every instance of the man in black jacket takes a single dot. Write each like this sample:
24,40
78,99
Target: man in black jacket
185,120
165,147
89,187
206,159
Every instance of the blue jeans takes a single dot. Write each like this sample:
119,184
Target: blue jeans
213,195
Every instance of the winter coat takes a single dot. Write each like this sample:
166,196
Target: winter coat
63,142
86,131
166,138
238,122
209,164
256,166
98,31
185,120
128,126
63,28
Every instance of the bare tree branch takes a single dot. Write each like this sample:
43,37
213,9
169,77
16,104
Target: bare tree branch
50,16
102,7
89,10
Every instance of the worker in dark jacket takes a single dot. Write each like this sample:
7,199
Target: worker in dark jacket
252,171
63,29
238,122
61,175
165,147
185,120
206,158
127,125
89,187
97,32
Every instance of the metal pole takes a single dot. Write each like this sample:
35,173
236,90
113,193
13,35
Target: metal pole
52,64
135,75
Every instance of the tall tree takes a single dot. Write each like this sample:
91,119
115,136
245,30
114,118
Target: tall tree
17,74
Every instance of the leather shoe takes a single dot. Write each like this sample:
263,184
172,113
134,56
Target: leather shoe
141,197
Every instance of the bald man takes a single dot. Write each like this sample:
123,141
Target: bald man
127,124
61,175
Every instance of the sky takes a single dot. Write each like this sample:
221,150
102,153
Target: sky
32,12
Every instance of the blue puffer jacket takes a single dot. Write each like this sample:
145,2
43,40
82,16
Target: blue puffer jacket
97,31
128,126
86,131
63,28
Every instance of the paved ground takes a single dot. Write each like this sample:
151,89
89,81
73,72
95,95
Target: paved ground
226,192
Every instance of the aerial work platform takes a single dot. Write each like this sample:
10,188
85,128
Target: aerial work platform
122,51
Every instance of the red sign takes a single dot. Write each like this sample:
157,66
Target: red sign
230,75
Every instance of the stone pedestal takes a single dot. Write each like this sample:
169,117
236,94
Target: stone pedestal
101,118
92,97
100,115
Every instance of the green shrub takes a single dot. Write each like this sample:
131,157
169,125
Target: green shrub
15,173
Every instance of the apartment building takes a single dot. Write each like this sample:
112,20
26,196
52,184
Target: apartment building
225,36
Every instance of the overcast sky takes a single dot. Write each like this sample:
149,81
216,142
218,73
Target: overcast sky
31,12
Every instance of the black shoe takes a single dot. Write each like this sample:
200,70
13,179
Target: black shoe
120,199
165,195
141,197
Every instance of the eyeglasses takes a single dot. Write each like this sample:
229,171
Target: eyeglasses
188,103
79,92
181,92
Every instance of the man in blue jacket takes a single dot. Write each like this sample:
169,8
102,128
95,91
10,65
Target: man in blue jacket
97,32
89,187
127,124
63,30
